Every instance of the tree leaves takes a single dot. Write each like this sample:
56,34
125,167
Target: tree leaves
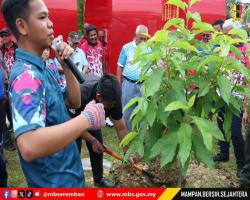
128,138
239,32
185,45
176,105
176,22
151,113
207,129
225,88
178,88
184,136
153,82
201,152
192,2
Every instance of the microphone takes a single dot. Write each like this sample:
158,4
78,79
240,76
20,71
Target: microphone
57,44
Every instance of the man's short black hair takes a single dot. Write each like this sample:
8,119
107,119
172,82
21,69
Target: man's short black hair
109,89
219,22
13,9
90,28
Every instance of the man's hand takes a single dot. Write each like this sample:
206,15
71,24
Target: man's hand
95,114
64,51
97,146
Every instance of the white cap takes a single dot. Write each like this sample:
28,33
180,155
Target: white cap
141,29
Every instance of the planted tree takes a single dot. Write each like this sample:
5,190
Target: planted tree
186,83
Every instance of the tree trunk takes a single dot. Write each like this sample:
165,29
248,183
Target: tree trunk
81,13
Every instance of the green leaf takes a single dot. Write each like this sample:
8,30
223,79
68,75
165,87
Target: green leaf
128,138
191,101
158,146
236,41
175,105
169,149
196,16
185,167
208,129
152,84
176,22
161,144
136,117
178,3
192,2
179,90
185,45
235,105
204,87
151,113
162,115
159,36
225,48
236,51
184,136
199,27
239,32
131,102
225,88
201,152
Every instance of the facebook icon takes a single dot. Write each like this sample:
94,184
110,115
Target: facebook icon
6,194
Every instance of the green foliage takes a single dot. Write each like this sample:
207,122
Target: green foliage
80,10
186,83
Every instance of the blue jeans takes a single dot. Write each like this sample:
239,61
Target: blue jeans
129,91
237,139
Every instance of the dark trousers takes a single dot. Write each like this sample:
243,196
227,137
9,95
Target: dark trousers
3,172
2,125
96,159
245,174
8,113
7,140
236,137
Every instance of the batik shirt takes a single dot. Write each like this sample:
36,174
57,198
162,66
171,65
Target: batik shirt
238,77
37,102
95,56
9,57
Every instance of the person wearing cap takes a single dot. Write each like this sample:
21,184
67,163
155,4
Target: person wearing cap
79,57
8,51
130,72
94,52
8,48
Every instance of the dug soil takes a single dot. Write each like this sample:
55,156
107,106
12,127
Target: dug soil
198,176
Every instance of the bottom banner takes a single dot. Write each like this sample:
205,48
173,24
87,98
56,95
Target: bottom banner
123,193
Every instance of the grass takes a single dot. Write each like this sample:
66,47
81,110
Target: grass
200,177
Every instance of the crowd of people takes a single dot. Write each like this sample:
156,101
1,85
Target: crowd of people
50,113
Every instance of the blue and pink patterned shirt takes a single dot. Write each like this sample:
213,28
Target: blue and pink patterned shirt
37,102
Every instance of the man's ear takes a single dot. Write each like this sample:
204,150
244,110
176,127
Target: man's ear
22,26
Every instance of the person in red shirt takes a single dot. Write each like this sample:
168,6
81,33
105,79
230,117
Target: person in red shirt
94,52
